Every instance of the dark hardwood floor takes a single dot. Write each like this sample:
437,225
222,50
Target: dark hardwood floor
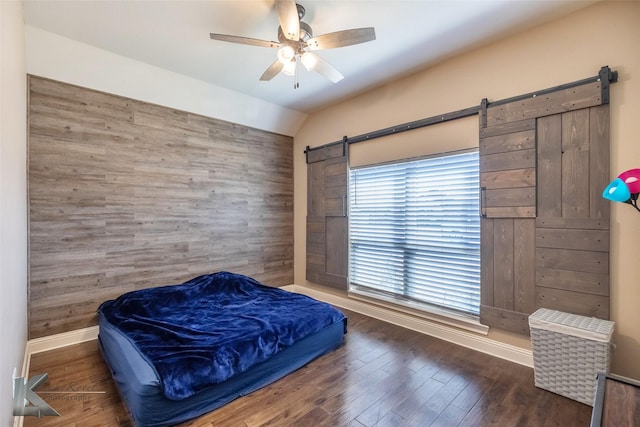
383,375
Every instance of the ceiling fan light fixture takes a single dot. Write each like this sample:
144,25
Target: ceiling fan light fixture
289,68
309,60
286,54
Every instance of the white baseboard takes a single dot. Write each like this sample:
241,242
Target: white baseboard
51,342
461,337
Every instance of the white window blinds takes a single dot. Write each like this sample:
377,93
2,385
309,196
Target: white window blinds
414,231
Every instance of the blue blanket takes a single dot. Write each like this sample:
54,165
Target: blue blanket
212,327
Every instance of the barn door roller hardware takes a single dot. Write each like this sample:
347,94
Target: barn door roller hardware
606,76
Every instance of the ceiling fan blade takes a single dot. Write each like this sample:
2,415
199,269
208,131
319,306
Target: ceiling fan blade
342,38
243,40
325,69
272,71
288,18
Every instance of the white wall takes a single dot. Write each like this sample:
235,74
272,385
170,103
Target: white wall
59,58
13,202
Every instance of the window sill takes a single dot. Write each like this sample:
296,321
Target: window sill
443,316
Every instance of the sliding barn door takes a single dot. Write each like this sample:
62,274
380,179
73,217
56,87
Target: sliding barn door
544,161
327,221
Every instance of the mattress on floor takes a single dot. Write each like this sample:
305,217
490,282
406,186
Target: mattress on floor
140,388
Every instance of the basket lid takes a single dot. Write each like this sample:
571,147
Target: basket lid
590,328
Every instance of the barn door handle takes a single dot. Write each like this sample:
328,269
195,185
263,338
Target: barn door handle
344,205
483,202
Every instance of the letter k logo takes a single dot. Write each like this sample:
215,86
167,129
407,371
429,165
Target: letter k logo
23,394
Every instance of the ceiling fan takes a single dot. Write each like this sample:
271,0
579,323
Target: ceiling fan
296,43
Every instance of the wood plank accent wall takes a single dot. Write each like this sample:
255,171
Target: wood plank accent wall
127,195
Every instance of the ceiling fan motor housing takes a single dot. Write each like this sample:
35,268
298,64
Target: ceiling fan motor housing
301,10
305,34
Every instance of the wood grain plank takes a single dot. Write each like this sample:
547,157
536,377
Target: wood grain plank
599,148
519,159
324,153
508,179
573,223
573,302
316,260
587,240
503,292
578,97
335,167
575,161
549,137
336,206
514,141
508,128
510,197
330,280
573,260
337,257
577,281
524,265
315,182
511,212
505,319
488,263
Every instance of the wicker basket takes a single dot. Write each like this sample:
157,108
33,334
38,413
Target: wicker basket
569,351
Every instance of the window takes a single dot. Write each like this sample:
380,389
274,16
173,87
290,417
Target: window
415,231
